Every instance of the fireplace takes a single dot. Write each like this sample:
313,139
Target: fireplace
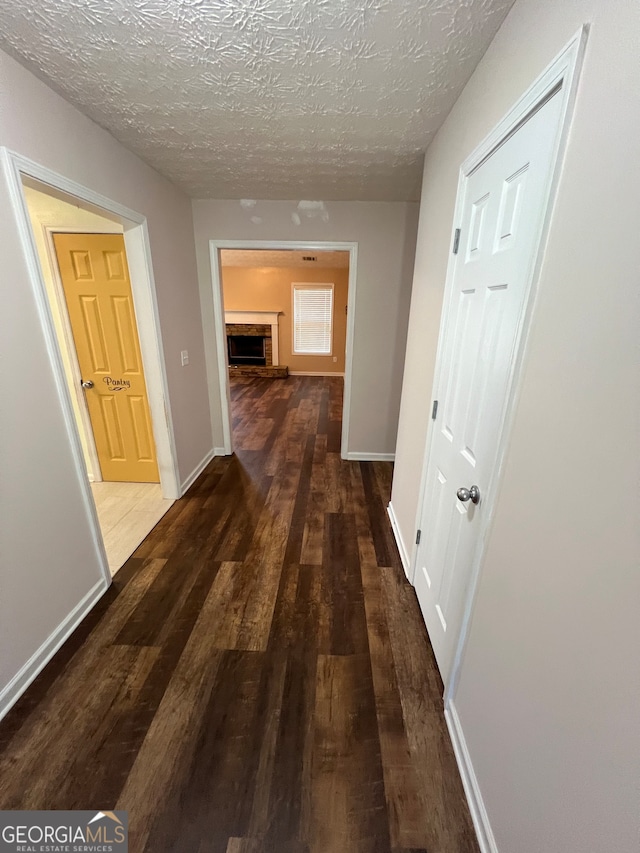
249,344
246,349
252,344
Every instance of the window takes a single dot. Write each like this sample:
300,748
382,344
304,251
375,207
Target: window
312,319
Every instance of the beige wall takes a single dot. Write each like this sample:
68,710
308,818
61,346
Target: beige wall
549,692
45,212
385,233
49,563
270,289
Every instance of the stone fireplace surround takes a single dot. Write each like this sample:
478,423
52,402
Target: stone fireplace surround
256,331
261,324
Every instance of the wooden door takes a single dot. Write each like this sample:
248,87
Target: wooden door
95,278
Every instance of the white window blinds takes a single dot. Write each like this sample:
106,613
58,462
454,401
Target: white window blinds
312,318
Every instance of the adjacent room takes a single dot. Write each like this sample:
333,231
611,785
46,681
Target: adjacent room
285,315
82,256
302,295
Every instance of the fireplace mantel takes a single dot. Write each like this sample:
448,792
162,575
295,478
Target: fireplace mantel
267,318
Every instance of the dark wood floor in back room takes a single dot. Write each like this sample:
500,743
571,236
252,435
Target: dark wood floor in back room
258,678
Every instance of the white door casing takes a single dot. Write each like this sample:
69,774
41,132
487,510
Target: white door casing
215,247
136,235
504,204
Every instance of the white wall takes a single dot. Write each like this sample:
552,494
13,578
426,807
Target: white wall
385,232
48,562
549,692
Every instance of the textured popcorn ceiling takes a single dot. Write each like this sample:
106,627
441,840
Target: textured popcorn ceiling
311,99
283,258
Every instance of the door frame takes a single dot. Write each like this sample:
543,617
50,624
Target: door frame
220,332
561,74
139,259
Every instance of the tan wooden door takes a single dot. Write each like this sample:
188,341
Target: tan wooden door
95,278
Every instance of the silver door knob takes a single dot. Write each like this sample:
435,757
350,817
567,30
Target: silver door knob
87,383
472,494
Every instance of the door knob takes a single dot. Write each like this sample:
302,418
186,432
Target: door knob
472,494
87,383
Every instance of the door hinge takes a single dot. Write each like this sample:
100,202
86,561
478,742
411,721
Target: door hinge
434,410
456,241
418,535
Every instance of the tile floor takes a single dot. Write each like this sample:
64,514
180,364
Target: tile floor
127,513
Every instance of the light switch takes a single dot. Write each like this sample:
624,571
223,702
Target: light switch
184,357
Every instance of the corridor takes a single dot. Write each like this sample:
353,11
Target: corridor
258,678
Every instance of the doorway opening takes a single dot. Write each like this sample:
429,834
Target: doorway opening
102,341
283,309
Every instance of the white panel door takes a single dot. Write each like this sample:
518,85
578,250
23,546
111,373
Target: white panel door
504,205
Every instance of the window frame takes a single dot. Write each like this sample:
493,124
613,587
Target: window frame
311,285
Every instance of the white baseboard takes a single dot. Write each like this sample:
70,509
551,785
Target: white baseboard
220,451
37,662
193,476
313,373
402,548
357,456
486,839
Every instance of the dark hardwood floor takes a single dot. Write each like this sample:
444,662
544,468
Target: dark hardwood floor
258,678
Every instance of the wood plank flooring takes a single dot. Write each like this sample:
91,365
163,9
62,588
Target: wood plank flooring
258,678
